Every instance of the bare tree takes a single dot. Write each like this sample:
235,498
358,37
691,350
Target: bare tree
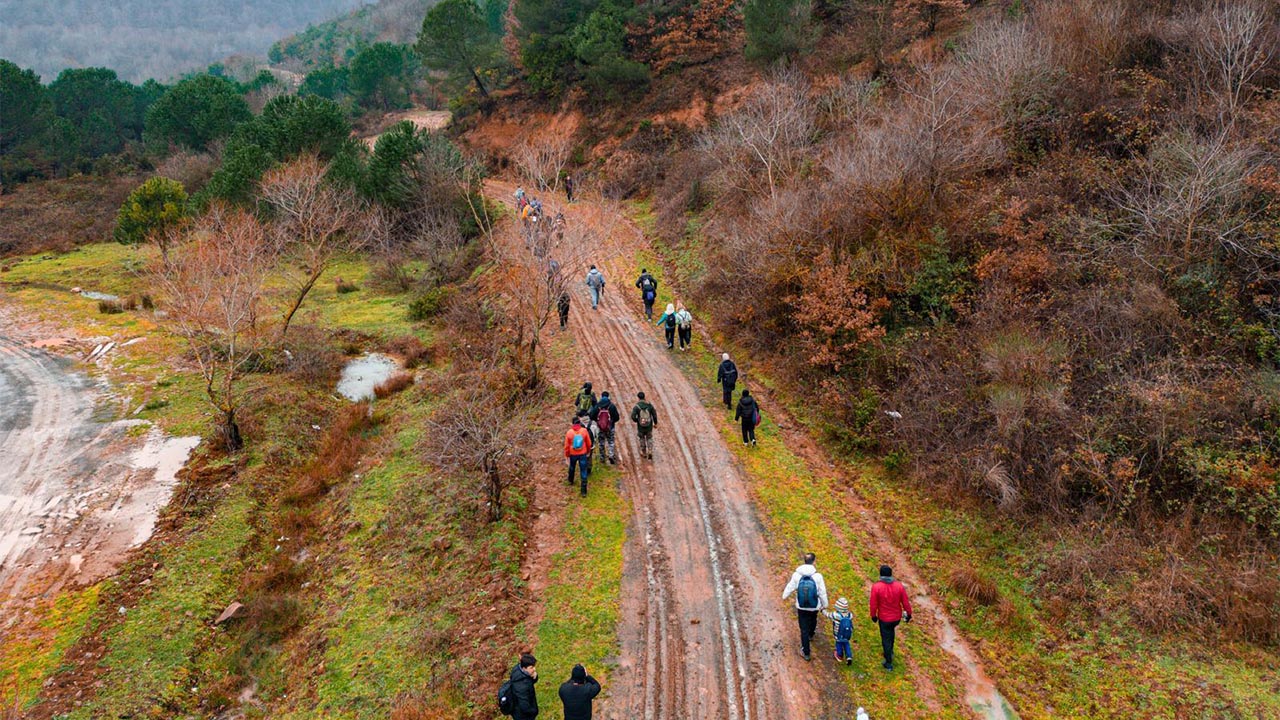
542,156
214,286
765,138
315,223
477,432
1231,42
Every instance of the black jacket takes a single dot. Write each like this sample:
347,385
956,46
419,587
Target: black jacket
614,413
577,698
563,303
652,279
727,375
526,705
746,411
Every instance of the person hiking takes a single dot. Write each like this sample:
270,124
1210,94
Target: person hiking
648,285
889,606
562,307
577,449
584,400
519,692
595,281
605,414
842,630
811,597
727,376
646,419
749,414
568,188
577,692
684,327
668,323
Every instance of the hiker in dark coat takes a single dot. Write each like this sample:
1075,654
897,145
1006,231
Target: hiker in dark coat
645,416
648,286
562,306
568,187
727,376
749,413
577,693
523,677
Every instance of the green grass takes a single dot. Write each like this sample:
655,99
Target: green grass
26,661
582,600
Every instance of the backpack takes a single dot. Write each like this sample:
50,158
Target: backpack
671,321
807,593
506,699
578,441
844,627
583,403
644,418
604,420
646,284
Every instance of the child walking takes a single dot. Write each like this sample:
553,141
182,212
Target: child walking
842,630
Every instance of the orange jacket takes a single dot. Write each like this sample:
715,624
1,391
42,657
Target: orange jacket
568,442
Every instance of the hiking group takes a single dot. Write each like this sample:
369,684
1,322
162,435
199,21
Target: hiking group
594,426
518,698
888,603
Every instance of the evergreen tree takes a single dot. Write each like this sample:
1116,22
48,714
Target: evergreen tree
456,38
151,209
777,28
195,112
382,76
25,114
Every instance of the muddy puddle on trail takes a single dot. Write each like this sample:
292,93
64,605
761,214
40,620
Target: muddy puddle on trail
362,375
78,488
980,692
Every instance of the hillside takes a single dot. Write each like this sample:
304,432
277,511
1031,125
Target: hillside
336,40
145,40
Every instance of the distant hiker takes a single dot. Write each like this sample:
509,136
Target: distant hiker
606,415
562,307
517,696
568,188
577,448
684,327
553,271
811,597
668,323
648,291
585,399
646,419
889,606
577,693
519,194
595,281
749,414
727,376
842,630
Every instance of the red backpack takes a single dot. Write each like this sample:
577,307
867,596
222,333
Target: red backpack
604,420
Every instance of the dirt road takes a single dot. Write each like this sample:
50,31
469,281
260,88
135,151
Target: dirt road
76,489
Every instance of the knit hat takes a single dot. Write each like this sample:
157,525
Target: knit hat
579,674
842,604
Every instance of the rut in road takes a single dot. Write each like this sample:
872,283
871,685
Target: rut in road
703,632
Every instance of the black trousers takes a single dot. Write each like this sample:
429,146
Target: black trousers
748,431
564,317
728,395
686,336
671,335
808,626
648,309
887,630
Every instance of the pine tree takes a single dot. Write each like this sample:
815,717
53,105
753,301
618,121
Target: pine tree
777,28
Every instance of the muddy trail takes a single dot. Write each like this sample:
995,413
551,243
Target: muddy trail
77,489
703,633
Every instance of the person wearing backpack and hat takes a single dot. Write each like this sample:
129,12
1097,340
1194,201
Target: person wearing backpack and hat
668,323
842,630
517,696
684,327
606,415
889,606
648,285
577,694
749,413
727,376
811,598
585,399
646,419
577,448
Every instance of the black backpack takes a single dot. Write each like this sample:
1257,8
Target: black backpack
506,699
647,284
671,321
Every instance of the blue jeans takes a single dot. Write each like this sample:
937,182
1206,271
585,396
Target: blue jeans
843,651
595,297
584,468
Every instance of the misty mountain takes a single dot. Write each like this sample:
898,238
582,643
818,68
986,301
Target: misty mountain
149,39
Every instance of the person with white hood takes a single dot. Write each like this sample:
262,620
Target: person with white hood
668,323
811,598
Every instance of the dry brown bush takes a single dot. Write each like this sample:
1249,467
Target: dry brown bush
966,581
191,169
1089,36
313,355
393,385
337,456
410,349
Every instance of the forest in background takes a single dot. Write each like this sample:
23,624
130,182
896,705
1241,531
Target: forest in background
148,40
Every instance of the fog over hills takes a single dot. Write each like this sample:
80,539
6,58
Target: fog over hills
151,39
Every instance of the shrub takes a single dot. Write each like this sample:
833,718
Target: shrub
428,304
393,385
966,581
343,287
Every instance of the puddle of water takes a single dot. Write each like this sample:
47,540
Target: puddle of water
166,455
980,692
363,374
93,295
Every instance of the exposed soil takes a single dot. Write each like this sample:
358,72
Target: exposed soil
77,490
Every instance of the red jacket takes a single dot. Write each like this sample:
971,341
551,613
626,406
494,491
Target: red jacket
568,442
889,601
